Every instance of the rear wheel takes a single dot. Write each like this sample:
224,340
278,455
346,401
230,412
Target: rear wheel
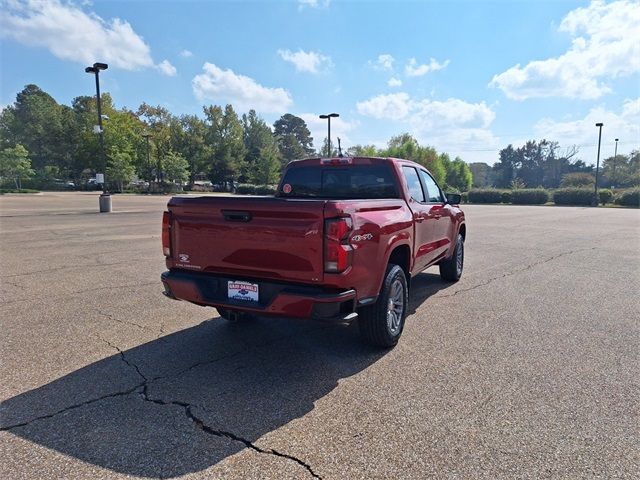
381,324
451,268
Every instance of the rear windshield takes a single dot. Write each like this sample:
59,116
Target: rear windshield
354,181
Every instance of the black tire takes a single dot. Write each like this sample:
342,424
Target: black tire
229,317
451,268
381,324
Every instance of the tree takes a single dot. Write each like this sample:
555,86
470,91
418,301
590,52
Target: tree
290,148
120,169
481,175
459,175
405,146
622,170
176,168
15,164
325,151
266,170
258,142
189,139
537,163
578,180
505,169
363,151
225,136
34,121
291,125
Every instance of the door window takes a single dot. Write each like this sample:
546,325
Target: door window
433,192
413,183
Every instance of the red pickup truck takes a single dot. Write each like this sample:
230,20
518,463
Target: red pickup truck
339,241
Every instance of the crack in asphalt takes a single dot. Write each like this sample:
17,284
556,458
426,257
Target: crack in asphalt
509,274
201,425
126,322
122,393
125,360
142,389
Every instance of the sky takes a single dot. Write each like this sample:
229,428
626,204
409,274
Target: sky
467,77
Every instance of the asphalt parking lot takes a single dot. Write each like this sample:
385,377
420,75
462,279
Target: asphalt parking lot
526,368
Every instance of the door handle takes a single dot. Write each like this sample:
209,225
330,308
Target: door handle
419,218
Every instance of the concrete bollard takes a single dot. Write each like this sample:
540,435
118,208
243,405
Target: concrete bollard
105,203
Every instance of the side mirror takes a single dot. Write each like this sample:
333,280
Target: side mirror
453,198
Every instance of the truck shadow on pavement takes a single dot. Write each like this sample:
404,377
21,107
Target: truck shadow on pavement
185,401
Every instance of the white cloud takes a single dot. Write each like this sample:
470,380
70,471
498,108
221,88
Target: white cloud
624,125
243,92
412,69
394,106
166,68
313,3
312,62
70,33
383,62
453,125
339,128
605,45
394,82
186,53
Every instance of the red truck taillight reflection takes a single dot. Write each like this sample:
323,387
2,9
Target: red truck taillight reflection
166,234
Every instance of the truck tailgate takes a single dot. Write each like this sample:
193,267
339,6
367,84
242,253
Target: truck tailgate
258,236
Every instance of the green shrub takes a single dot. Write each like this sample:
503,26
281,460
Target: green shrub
629,198
506,196
18,190
605,195
246,189
573,196
265,190
488,195
530,196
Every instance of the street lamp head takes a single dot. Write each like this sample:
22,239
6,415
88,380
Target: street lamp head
617,139
100,66
599,124
324,117
90,70
330,115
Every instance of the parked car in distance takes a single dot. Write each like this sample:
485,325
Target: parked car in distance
340,240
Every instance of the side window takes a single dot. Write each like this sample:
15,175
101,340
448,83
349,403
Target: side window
435,196
413,182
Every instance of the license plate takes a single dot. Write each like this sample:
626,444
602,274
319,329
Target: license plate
242,291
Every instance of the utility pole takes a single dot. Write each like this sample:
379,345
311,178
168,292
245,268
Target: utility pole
105,198
615,160
328,117
146,136
599,125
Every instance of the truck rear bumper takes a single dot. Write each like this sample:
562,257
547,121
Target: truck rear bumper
278,299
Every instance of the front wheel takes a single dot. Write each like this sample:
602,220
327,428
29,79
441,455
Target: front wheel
381,324
451,268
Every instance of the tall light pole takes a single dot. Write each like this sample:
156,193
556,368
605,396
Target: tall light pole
105,199
599,125
328,117
615,160
146,136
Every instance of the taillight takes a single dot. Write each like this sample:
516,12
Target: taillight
337,251
166,234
